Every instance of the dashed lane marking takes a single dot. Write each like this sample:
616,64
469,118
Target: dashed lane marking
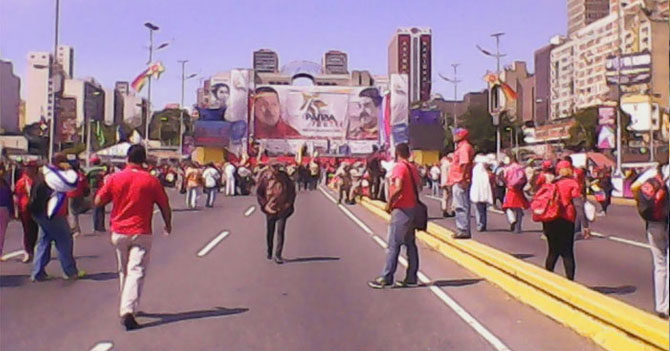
103,346
598,235
439,293
249,211
205,250
13,254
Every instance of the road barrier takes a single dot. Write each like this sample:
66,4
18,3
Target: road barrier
610,323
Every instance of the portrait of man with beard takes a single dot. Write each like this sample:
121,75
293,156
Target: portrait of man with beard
363,120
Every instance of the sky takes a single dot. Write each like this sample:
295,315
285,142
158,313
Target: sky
110,40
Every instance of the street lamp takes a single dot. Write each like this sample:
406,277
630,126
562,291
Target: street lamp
181,113
619,154
497,56
455,82
52,123
152,27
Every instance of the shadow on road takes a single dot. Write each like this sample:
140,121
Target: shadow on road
12,281
453,283
615,290
311,259
166,318
186,209
101,276
522,256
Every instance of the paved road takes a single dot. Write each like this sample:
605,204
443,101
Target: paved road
621,269
232,298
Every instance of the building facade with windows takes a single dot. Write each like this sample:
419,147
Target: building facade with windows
410,53
10,99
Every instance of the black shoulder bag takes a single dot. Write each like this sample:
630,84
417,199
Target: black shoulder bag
421,210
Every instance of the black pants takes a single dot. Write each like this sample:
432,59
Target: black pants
344,194
374,186
561,239
278,224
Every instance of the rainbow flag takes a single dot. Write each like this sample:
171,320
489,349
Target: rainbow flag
154,70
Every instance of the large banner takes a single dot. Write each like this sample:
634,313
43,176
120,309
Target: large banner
285,118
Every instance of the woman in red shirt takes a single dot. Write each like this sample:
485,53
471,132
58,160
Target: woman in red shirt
22,198
515,199
560,232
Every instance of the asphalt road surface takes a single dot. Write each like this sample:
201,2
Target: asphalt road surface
210,287
616,262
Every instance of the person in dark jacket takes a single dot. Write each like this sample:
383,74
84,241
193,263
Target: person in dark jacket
276,197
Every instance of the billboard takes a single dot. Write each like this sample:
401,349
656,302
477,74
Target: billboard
212,133
399,109
425,130
286,117
633,68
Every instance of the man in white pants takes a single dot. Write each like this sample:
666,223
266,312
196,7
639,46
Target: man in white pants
134,192
229,171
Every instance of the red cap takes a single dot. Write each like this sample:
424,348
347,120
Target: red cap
546,165
462,133
562,165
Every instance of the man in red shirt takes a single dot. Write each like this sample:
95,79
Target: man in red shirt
460,176
22,197
402,203
133,193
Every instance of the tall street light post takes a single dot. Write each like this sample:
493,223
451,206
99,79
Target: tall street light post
497,56
152,27
181,113
52,122
455,82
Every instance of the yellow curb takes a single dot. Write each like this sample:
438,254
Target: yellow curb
610,323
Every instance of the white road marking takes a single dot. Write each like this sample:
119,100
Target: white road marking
622,240
205,250
249,211
327,195
13,254
103,346
446,299
598,235
379,241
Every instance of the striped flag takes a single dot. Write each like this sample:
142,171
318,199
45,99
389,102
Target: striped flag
154,70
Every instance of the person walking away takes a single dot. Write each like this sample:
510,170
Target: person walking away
77,200
314,172
557,205
229,171
435,179
211,178
515,199
499,173
22,198
481,194
460,174
374,168
546,175
133,193
447,195
193,183
276,196
604,187
651,192
403,200
48,206
96,176
6,207
356,175
344,182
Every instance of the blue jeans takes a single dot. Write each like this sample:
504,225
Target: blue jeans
211,196
481,215
58,231
401,232
435,187
461,205
99,219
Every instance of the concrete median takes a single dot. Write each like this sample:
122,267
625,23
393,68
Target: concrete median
610,323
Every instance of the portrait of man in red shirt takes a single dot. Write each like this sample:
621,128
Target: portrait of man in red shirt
268,123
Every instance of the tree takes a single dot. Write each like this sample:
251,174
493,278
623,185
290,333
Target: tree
165,125
478,122
583,132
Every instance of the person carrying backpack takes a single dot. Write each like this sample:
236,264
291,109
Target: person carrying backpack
653,201
558,204
515,199
276,197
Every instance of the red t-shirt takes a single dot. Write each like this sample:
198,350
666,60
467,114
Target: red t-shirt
407,197
22,192
461,165
568,189
580,177
133,193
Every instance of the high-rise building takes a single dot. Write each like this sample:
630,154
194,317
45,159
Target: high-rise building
581,13
543,80
10,100
122,87
266,61
65,58
410,52
335,62
39,86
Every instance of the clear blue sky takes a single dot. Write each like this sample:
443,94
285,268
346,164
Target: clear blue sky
216,35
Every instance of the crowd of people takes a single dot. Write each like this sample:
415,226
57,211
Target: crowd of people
49,198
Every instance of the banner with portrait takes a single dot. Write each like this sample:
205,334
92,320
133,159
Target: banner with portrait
287,116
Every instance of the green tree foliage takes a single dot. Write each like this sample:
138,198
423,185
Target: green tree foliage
165,125
583,134
482,132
